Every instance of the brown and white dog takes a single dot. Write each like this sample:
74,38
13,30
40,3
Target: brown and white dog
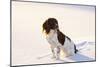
58,41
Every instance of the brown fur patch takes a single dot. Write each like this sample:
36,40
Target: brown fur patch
49,24
61,37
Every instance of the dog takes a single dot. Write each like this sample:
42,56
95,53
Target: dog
57,40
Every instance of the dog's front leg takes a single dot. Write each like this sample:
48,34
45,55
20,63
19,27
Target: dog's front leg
53,52
57,53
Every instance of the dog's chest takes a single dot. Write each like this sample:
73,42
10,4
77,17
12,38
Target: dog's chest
52,38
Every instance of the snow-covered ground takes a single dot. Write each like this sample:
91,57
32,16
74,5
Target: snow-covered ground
42,54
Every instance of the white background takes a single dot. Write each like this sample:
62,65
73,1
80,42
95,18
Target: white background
5,32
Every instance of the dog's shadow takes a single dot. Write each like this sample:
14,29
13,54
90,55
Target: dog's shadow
80,57
77,58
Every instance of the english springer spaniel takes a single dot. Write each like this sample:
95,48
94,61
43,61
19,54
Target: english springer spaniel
57,40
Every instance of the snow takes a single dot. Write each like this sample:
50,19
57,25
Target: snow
43,56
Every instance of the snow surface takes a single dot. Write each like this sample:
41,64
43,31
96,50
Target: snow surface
43,56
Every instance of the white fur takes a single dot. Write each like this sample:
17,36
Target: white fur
67,48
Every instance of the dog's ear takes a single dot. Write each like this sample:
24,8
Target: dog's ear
43,26
46,27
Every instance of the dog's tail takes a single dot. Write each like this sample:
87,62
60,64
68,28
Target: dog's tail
80,46
76,50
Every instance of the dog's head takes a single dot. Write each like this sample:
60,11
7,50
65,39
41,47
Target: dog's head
49,24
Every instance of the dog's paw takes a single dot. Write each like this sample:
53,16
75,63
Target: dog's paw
57,58
53,57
